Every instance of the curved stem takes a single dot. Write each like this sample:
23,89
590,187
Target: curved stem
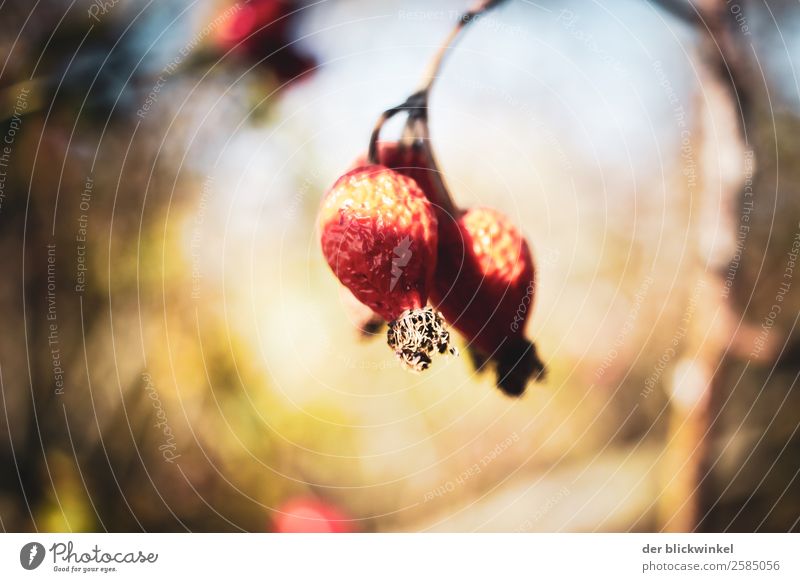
416,133
432,71
419,99
372,151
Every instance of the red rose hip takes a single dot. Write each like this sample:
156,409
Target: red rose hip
485,287
379,236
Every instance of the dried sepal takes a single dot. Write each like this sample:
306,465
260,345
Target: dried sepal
418,334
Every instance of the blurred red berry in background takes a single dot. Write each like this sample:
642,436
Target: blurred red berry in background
260,33
309,515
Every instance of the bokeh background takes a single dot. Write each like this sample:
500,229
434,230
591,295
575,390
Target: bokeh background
176,355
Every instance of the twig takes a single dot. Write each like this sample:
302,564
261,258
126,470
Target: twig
417,104
415,133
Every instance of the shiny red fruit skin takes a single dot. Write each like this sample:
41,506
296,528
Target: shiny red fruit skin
407,161
379,236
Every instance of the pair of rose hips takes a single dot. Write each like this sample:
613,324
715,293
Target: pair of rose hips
389,242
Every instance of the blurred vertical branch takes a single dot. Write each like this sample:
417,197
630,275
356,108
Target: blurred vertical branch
724,110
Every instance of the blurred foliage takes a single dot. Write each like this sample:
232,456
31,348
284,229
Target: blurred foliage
213,376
